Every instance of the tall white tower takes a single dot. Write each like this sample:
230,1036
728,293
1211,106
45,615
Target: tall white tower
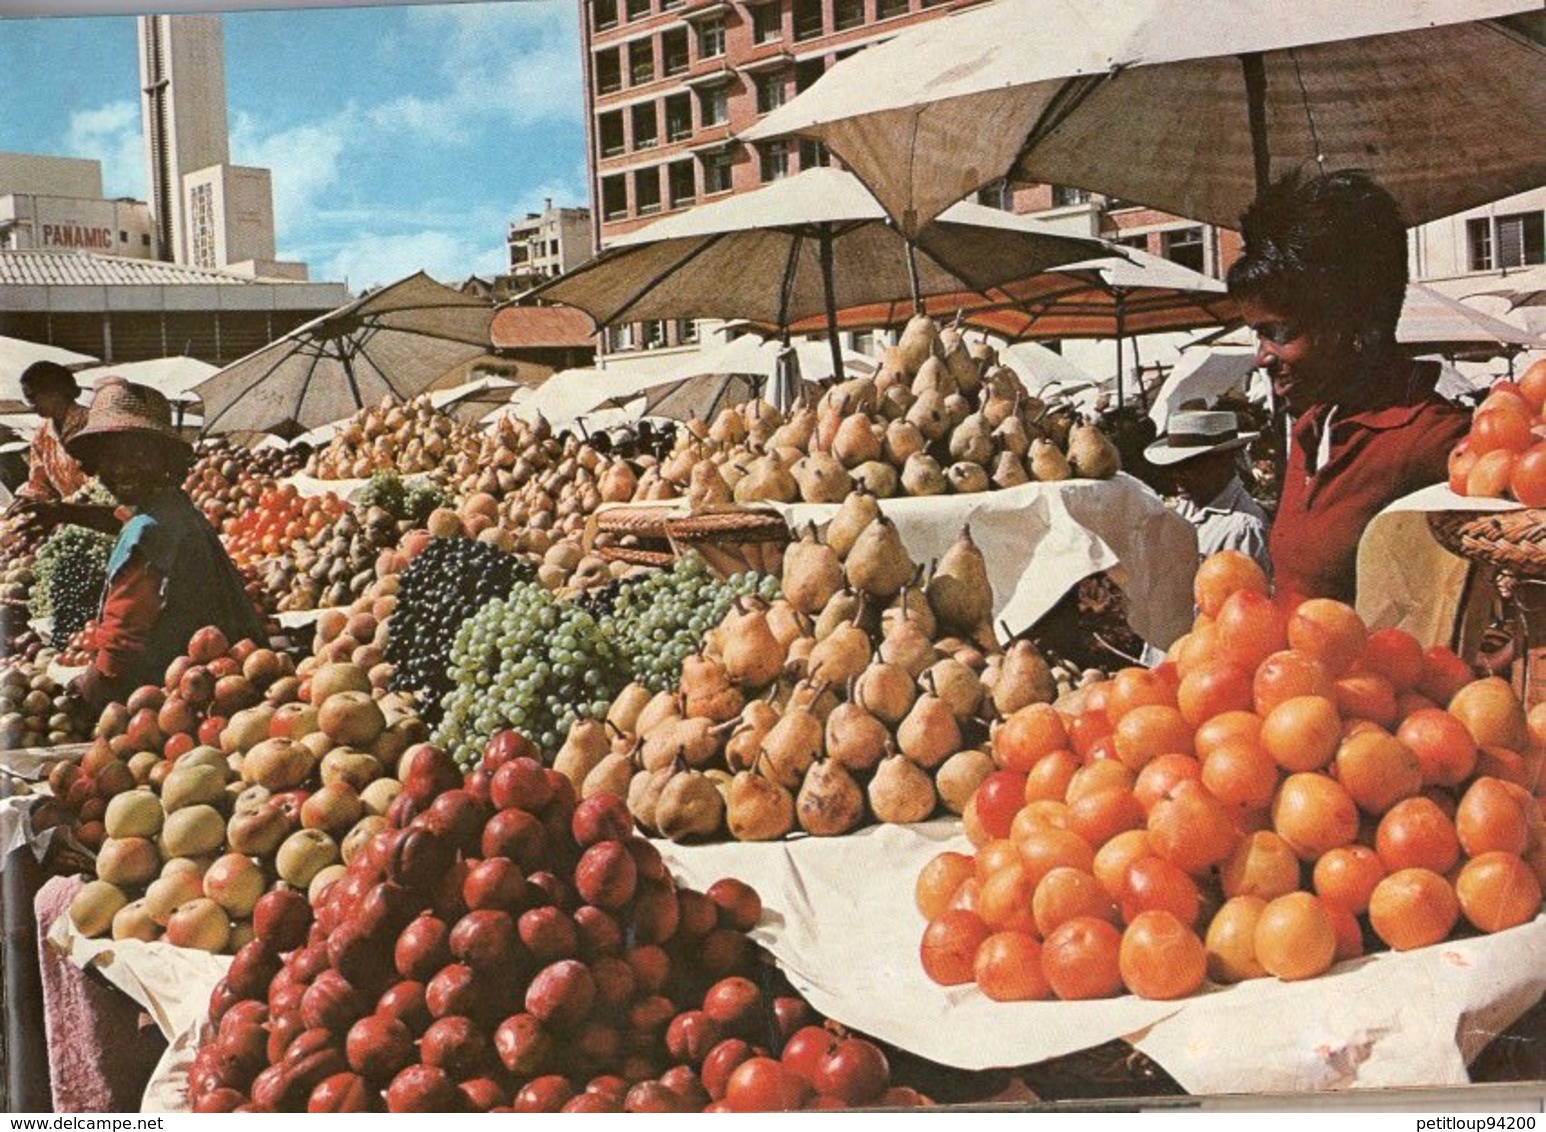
183,109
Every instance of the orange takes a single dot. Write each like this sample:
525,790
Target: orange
1413,908
1294,937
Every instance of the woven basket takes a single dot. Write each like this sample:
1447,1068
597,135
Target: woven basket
646,522
635,556
1510,540
733,541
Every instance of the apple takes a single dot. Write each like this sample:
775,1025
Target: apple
485,940
524,1045
141,765
324,879
548,1093
303,855
345,764
351,718
330,679
560,994
145,697
128,861
341,1092
246,729
92,908
174,671
200,924
281,918
422,948
206,644
331,1004
262,666
359,836
196,784
292,720
196,685
452,990
176,715
423,1088
143,732
257,831
616,984
193,830
549,934
379,1046
458,817
285,690
607,875
178,745
426,772
235,693
334,809
278,764
494,882
250,974
454,1044
515,834
484,1094
235,882
405,1001
603,817
134,813
211,731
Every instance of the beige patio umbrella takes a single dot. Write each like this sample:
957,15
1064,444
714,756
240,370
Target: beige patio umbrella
1191,105
390,344
16,354
805,247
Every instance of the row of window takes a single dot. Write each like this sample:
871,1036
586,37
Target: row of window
637,59
651,334
808,19
604,13
1496,242
707,174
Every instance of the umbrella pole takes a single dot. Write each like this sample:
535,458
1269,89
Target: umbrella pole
1256,109
829,296
912,276
1120,320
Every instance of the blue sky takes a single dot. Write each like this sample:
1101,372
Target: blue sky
400,138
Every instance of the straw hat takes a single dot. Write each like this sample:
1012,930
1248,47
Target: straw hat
1192,434
123,408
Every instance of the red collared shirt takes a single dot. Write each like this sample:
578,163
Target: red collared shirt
54,474
1333,486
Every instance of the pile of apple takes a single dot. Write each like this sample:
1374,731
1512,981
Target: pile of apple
1287,789
227,479
336,563
240,773
1504,455
498,946
863,694
407,438
278,518
35,711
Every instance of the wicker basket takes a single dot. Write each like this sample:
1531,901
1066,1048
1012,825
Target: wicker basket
1514,541
645,522
732,541
635,556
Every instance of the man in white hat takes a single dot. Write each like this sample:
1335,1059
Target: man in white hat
1201,451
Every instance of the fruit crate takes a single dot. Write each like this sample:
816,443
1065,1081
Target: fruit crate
733,541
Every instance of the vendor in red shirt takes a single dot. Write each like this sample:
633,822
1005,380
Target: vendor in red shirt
168,575
54,476
1321,282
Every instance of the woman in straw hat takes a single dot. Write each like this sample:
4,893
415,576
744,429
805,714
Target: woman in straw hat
1201,449
168,575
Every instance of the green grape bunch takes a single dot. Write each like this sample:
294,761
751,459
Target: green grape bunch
70,575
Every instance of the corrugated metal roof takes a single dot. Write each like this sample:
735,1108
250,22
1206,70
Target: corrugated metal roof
84,269
515,327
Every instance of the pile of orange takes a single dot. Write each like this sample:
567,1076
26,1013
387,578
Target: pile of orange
1286,791
1504,455
281,516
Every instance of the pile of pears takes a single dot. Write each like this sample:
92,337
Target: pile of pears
938,417
864,693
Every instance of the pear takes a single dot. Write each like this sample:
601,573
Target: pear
618,483
891,370
786,622
959,591
644,791
878,563
841,655
857,395
745,741
626,706
1048,464
661,709
813,572
845,606
929,735
822,479
732,469
964,368
886,691
814,697
959,776
929,415
859,509
696,742
916,344
610,776
901,791
728,427
584,747
902,440
895,402
707,691
753,656
1023,678
855,441
790,747
830,801
707,487
1091,454
797,660
997,407
767,481
972,440
921,475
855,738
762,419
957,409
956,684
829,418
877,477
906,645
933,377
797,431
758,809
1009,471
964,478
1012,436
689,808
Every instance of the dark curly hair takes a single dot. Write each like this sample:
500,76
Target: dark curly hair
1330,250
45,377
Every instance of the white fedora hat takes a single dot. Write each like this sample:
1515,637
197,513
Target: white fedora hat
1193,434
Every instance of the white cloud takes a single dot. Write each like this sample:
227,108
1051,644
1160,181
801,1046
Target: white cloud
306,160
370,260
111,133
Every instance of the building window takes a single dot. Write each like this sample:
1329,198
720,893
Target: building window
1183,246
714,105
716,173
1063,195
683,183
774,161
678,117
646,129
813,154
1517,240
674,58
890,9
123,237
807,19
1140,241
604,14
654,334
806,72
767,22
847,14
609,71
203,225
614,197
996,195
711,37
144,239
641,62
646,191
638,9
620,337
609,133
686,331
770,92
